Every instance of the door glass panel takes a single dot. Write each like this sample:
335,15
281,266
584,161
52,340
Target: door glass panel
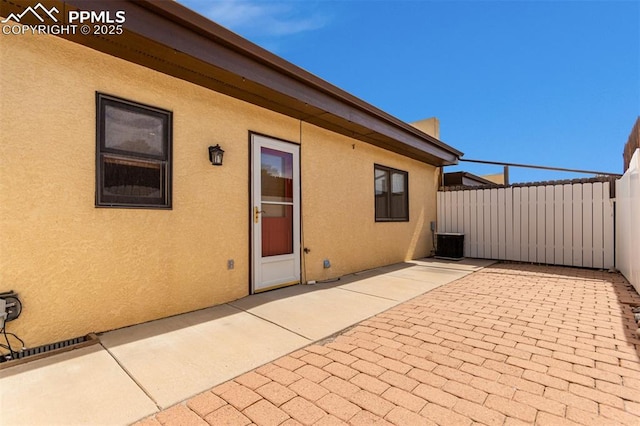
277,229
276,168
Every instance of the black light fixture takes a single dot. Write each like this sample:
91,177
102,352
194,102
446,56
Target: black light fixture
215,155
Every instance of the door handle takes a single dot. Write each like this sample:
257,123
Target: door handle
256,214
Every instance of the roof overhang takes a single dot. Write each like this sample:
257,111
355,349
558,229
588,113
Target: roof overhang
172,39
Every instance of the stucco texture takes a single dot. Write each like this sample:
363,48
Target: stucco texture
338,212
81,269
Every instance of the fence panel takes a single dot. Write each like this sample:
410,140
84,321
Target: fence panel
440,209
447,213
576,246
508,235
533,220
466,200
480,230
524,225
541,217
587,223
549,197
560,224
494,208
567,230
473,234
608,212
598,224
517,220
453,217
501,223
628,222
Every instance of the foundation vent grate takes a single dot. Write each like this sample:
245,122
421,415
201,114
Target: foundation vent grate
51,347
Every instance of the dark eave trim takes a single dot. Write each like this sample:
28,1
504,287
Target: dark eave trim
170,38
201,24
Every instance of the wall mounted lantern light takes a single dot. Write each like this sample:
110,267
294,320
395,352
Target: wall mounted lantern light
215,155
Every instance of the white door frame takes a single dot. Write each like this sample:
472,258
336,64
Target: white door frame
278,270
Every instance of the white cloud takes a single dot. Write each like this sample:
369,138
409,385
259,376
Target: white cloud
260,18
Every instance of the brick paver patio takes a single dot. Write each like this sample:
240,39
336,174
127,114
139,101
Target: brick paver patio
511,344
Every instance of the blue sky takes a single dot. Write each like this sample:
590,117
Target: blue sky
554,83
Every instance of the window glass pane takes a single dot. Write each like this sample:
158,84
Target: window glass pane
277,175
397,183
391,194
127,130
398,206
382,202
398,196
134,154
381,182
132,178
277,229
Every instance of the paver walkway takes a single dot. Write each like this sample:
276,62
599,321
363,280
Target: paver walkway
511,344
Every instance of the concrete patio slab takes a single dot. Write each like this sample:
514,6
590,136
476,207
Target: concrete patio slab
400,286
429,274
317,311
84,386
323,309
466,264
181,356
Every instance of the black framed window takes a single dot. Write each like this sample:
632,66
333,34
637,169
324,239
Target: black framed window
391,194
133,154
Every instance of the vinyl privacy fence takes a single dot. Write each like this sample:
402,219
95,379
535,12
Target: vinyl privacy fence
628,222
559,224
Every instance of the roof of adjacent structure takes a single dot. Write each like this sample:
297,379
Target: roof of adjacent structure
170,38
457,178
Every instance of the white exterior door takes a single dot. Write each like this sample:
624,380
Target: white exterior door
275,213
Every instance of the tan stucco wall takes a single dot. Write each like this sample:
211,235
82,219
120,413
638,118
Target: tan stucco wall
80,269
430,126
497,178
338,208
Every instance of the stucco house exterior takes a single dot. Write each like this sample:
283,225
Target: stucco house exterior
111,212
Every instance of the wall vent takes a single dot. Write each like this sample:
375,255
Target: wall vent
48,349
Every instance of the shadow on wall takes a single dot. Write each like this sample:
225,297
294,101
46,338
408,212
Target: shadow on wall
188,319
415,238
